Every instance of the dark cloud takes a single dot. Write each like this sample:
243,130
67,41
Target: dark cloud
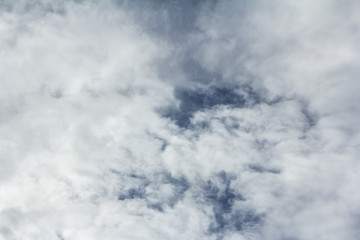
133,193
311,118
260,169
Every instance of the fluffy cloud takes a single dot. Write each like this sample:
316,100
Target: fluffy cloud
179,120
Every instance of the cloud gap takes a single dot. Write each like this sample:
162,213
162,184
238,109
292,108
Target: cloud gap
202,99
158,190
222,197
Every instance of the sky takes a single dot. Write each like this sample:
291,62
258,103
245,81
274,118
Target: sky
179,119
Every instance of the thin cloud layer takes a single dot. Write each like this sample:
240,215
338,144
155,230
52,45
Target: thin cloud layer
179,120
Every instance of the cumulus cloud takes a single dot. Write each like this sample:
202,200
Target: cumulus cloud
179,120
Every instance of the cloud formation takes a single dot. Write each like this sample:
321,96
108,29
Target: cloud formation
179,120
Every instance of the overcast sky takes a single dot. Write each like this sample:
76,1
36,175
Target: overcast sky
179,119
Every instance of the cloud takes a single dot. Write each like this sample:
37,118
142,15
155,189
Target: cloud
179,120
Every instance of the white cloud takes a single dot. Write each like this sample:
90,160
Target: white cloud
98,141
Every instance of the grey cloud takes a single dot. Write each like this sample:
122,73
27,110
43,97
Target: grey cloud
170,20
